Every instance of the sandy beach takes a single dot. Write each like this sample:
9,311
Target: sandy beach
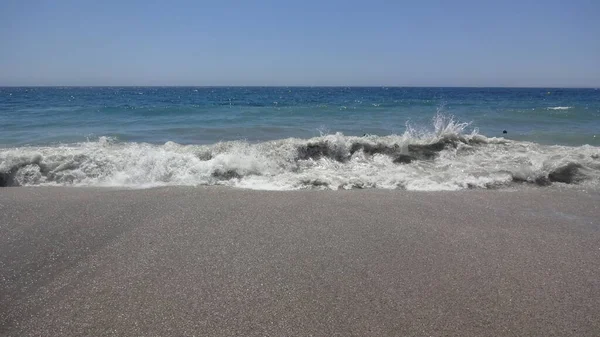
226,262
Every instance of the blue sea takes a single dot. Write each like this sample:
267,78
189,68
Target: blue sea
285,138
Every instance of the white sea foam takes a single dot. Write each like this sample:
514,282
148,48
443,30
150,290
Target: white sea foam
560,108
442,157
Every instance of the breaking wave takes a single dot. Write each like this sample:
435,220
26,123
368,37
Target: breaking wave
560,108
441,157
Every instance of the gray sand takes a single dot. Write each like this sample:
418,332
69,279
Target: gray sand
224,262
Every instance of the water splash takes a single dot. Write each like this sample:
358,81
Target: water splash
442,156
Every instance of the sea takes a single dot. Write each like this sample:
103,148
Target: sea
290,138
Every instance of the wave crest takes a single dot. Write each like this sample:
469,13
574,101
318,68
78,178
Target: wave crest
442,157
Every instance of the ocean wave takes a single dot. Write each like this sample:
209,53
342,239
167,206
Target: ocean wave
440,157
560,108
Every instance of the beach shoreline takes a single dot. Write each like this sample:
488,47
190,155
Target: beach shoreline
215,261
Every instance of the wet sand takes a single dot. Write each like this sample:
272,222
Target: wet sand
224,262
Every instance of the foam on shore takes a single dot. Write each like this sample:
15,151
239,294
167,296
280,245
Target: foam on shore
440,157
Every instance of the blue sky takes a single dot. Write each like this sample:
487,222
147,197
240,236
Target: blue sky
310,42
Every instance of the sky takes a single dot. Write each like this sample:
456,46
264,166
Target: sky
510,43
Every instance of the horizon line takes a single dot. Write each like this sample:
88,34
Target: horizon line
299,86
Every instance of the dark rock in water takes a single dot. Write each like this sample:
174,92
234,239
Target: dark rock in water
567,174
504,132
403,159
226,175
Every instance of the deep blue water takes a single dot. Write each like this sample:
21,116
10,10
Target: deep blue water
188,115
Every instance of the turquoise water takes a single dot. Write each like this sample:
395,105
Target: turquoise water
294,138
37,116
